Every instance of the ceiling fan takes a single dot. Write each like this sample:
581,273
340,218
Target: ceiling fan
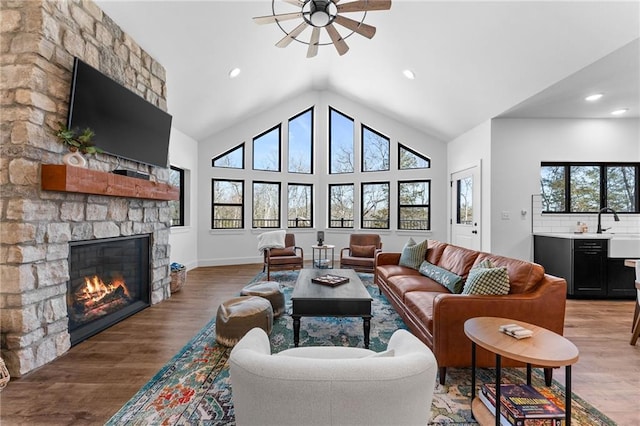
319,14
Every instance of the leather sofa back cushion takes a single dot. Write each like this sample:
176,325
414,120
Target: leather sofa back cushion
434,253
363,251
458,260
523,276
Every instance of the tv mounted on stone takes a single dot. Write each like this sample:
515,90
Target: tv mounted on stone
125,124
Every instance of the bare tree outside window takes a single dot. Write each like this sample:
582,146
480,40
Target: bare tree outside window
621,188
266,205
341,206
300,206
413,204
340,143
552,183
375,205
266,150
228,204
375,151
585,188
301,143
176,178
409,159
232,159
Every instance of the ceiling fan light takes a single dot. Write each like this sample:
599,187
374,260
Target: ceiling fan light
319,18
619,111
594,97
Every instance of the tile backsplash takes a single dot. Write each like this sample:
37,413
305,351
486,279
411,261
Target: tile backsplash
555,222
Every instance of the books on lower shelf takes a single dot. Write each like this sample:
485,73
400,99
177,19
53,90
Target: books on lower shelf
514,330
522,405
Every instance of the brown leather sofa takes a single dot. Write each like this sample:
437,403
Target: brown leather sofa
437,316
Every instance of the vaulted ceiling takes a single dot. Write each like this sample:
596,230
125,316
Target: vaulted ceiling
472,60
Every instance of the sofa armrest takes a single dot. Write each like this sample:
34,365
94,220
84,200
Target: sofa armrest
544,307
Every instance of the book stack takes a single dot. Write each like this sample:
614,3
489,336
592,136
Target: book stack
522,405
514,330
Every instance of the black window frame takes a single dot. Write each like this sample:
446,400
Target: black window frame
296,220
253,148
253,197
428,205
362,219
224,154
353,147
603,184
311,147
214,204
180,201
414,152
364,127
342,220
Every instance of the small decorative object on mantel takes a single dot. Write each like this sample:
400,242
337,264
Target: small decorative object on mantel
330,280
4,375
178,276
77,144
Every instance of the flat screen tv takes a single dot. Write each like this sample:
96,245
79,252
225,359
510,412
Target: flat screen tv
125,124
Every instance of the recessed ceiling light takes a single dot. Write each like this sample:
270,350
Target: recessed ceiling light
593,97
409,74
619,111
234,73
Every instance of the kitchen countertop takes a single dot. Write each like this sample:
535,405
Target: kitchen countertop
573,236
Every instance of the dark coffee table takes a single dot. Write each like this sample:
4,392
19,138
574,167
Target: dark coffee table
317,300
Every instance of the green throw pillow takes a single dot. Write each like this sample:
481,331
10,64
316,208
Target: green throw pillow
413,254
487,280
447,278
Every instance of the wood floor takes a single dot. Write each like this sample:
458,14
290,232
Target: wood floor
95,378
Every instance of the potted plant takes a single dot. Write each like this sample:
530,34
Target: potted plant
77,143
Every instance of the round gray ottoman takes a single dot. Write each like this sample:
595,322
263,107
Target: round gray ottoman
239,315
269,290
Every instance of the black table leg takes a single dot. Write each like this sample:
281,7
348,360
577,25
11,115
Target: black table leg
529,374
498,380
567,403
296,330
367,329
473,371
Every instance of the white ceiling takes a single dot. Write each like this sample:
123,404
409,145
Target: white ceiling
473,60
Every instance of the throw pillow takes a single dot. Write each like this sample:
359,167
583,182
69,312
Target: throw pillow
363,251
287,251
413,254
447,278
494,281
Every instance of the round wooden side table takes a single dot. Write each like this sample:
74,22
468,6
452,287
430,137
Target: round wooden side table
544,348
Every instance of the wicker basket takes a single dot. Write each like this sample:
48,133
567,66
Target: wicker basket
178,278
4,375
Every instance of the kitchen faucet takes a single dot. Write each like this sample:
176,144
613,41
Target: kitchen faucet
606,209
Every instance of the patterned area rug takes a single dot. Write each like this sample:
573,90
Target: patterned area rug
194,389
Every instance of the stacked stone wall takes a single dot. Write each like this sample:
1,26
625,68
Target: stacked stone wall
38,42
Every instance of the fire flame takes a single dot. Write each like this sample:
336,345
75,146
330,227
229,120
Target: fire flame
94,289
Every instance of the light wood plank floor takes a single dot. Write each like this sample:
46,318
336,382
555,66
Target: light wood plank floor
95,378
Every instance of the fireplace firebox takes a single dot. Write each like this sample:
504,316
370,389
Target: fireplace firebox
109,281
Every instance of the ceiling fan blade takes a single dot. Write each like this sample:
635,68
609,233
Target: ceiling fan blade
364,5
273,18
338,42
293,34
294,2
313,43
361,28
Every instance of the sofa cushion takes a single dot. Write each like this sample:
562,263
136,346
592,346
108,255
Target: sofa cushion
434,253
451,281
413,254
287,251
457,260
523,276
402,284
363,251
387,271
487,279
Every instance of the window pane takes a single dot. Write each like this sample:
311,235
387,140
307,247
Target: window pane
300,208
409,159
231,159
375,151
621,188
413,205
266,205
585,188
340,206
228,204
301,142
266,150
340,142
176,178
552,184
464,214
375,205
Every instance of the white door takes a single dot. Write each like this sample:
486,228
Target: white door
465,209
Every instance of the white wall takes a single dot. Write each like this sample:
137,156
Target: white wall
518,146
473,148
216,247
183,153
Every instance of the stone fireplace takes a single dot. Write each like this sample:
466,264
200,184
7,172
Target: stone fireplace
41,228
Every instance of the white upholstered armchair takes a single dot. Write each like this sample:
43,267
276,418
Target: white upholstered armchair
332,385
